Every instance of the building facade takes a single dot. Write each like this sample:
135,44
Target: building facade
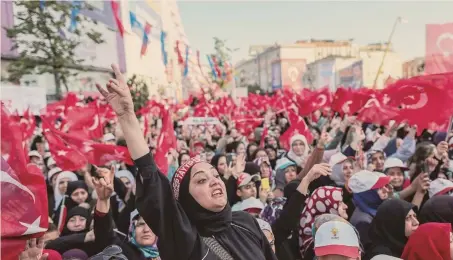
414,67
315,64
168,80
97,57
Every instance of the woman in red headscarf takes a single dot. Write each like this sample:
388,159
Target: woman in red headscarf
432,241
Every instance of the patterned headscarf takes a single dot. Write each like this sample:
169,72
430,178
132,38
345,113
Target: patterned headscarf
323,200
148,251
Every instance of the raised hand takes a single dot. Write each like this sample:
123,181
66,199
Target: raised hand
228,171
442,149
89,236
104,184
424,182
318,170
33,250
118,94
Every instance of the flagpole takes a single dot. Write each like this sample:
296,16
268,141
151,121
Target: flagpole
398,20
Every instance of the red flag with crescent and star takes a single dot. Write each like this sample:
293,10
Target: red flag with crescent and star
24,195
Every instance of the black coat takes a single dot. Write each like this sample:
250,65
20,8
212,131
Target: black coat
75,241
105,236
178,237
286,227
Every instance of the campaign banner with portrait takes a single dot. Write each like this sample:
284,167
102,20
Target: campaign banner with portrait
352,76
326,75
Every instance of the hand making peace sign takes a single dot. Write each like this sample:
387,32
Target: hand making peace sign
118,94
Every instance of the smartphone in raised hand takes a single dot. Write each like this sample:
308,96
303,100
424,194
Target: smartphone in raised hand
265,185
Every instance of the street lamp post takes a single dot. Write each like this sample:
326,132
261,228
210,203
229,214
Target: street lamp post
397,21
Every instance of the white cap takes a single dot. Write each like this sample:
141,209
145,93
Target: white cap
52,172
337,158
439,187
251,203
337,238
393,163
50,162
34,153
108,137
246,178
365,180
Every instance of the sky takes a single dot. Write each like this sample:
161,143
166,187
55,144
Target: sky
244,23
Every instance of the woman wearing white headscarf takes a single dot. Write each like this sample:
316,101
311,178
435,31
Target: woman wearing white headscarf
61,185
123,221
127,178
299,149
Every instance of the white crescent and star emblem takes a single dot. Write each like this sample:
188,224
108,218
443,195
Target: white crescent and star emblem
95,123
422,101
119,155
442,37
322,99
5,177
372,102
87,147
34,227
345,106
62,153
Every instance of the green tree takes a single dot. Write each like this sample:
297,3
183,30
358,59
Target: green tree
255,89
223,56
46,44
139,91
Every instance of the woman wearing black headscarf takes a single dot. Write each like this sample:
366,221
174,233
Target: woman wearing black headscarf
394,222
438,209
191,215
75,234
76,194
77,221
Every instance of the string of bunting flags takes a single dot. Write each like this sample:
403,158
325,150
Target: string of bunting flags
215,62
220,69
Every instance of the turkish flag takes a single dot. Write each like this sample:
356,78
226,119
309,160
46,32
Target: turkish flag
295,128
96,153
376,112
348,101
439,48
166,141
24,195
314,101
86,122
116,14
421,102
66,156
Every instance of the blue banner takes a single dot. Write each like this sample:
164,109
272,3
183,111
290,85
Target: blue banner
74,13
163,35
276,76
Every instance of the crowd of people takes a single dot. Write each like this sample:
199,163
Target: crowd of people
353,190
